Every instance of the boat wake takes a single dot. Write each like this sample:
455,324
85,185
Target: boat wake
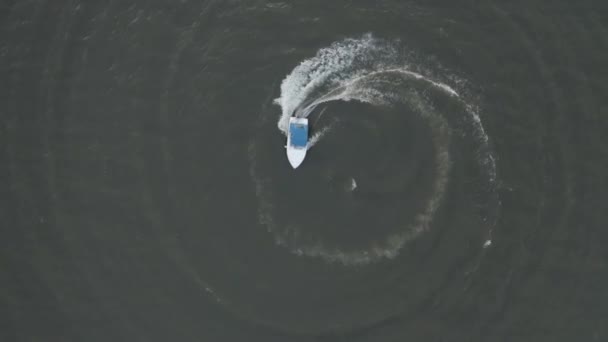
383,75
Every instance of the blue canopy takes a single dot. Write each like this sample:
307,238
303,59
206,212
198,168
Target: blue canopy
298,134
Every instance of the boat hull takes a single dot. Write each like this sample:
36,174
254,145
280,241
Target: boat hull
297,141
296,156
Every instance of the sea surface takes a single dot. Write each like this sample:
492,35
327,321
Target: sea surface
454,187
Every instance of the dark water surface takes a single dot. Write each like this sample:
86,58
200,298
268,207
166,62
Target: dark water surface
455,191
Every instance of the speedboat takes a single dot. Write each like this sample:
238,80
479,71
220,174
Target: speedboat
297,141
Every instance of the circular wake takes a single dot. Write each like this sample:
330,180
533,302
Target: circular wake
388,132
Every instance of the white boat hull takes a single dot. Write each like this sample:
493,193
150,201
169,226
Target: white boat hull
296,150
295,156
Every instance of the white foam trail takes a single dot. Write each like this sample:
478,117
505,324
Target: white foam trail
337,67
318,135
372,71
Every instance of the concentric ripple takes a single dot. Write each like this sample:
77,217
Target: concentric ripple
369,97
143,164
